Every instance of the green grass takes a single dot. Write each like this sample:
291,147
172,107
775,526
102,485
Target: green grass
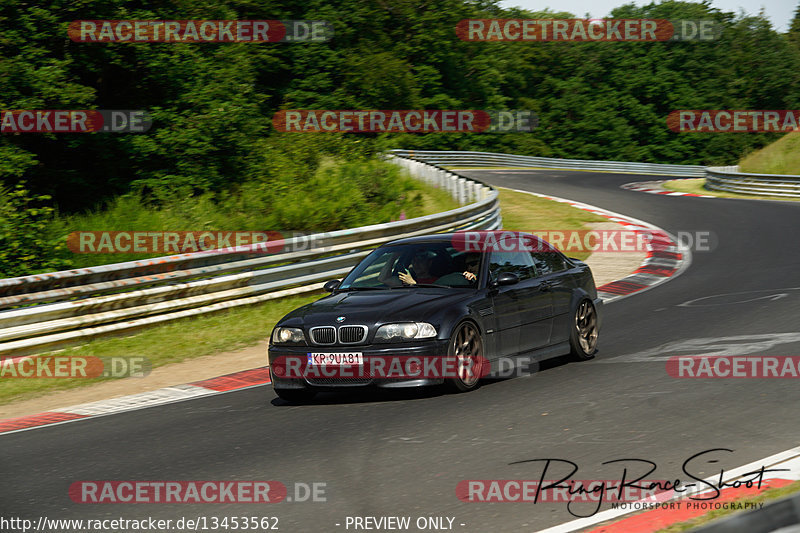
169,343
696,186
337,196
526,212
237,328
780,157
435,200
767,495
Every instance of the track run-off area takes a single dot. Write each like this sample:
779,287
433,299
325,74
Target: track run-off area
403,454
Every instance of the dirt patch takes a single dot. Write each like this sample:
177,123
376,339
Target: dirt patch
610,266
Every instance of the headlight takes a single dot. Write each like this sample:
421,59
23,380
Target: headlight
405,331
288,336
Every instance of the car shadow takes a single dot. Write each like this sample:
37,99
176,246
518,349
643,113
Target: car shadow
366,395
359,395
528,369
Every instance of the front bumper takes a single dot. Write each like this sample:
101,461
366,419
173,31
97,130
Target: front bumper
429,348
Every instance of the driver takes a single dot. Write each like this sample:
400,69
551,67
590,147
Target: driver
472,262
421,265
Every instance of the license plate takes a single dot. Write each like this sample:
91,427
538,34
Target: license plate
336,359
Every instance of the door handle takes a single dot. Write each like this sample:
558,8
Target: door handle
545,286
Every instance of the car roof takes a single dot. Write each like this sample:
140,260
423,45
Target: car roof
448,237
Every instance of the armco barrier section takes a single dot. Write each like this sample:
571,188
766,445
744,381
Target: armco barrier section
50,311
729,179
489,159
717,178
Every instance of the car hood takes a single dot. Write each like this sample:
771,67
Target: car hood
373,307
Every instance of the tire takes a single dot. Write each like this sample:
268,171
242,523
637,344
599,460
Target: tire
583,331
295,395
466,345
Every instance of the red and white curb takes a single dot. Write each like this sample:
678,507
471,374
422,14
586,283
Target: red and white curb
663,516
208,387
665,259
656,187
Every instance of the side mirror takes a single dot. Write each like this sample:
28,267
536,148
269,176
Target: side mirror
506,278
332,285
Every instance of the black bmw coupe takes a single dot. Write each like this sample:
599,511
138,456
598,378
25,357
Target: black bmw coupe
444,308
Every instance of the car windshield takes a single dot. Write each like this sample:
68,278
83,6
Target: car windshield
422,264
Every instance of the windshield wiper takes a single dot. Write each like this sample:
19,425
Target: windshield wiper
363,289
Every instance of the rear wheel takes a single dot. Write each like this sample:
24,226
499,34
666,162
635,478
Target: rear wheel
584,331
295,395
466,347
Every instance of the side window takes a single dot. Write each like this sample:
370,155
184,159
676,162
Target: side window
520,263
548,262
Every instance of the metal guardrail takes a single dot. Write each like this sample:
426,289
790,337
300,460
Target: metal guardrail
58,309
717,178
489,159
729,179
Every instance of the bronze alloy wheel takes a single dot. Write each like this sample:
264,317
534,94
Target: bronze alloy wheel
583,339
466,346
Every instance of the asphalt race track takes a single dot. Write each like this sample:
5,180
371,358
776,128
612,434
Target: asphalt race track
402,454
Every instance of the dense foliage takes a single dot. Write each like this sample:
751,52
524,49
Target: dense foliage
212,104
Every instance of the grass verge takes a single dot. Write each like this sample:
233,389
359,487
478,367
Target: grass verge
525,212
780,157
696,186
238,328
766,496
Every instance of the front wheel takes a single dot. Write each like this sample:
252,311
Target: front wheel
295,395
466,347
584,331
